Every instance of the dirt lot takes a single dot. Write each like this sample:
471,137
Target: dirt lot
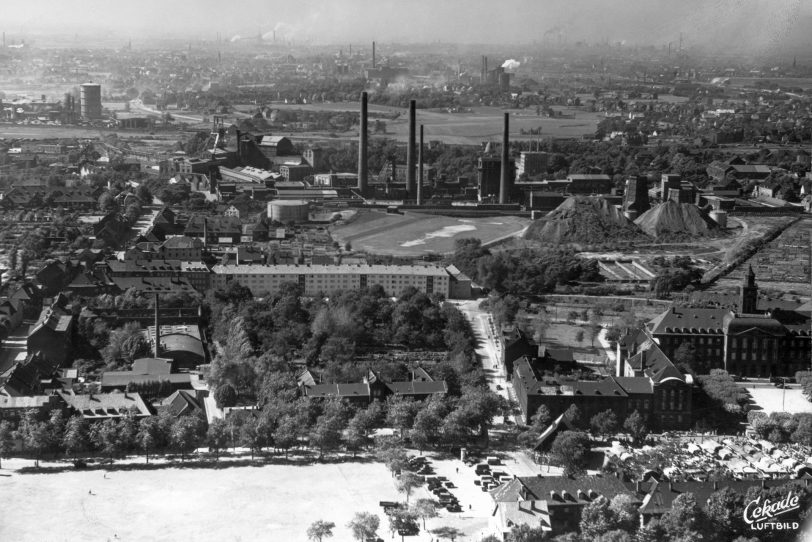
414,234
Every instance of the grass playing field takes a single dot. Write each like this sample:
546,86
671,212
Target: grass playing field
415,234
231,503
270,502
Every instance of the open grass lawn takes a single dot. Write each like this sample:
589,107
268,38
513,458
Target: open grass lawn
270,502
414,234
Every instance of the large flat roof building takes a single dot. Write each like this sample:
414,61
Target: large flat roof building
315,279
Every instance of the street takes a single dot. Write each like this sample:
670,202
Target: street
488,347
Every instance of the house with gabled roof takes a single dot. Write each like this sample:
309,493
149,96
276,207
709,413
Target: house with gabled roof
30,376
553,504
52,335
182,403
103,406
373,387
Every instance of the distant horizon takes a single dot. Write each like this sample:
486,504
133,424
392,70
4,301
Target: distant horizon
754,27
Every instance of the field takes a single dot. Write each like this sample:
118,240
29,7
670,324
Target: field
781,264
485,123
415,234
237,503
468,128
272,502
32,131
785,259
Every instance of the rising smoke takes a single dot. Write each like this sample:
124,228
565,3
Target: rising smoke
511,64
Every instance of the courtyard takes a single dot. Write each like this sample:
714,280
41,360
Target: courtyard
768,398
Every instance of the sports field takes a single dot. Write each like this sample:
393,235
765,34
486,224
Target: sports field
270,502
236,503
415,234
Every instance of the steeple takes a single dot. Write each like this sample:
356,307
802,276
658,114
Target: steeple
748,297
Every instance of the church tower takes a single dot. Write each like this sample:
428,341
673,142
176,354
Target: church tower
748,298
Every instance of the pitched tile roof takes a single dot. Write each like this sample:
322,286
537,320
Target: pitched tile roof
634,384
533,513
106,405
662,494
687,319
417,387
560,490
338,390
655,364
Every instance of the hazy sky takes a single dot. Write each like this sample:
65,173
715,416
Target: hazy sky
748,24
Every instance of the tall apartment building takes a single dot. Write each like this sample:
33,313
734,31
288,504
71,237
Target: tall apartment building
316,279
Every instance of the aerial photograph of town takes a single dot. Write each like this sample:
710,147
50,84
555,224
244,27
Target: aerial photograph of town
406,270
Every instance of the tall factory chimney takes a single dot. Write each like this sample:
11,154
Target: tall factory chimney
420,169
157,328
504,188
373,55
411,164
362,147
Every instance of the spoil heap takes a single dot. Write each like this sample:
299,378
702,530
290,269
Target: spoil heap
672,219
583,220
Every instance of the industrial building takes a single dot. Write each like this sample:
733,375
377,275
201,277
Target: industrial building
532,163
336,180
317,279
90,101
489,176
285,211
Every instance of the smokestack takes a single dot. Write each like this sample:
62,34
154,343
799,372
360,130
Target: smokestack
362,147
420,169
157,328
373,55
504,189
410,152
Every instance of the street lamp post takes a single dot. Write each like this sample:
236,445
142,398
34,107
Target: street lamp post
783,392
